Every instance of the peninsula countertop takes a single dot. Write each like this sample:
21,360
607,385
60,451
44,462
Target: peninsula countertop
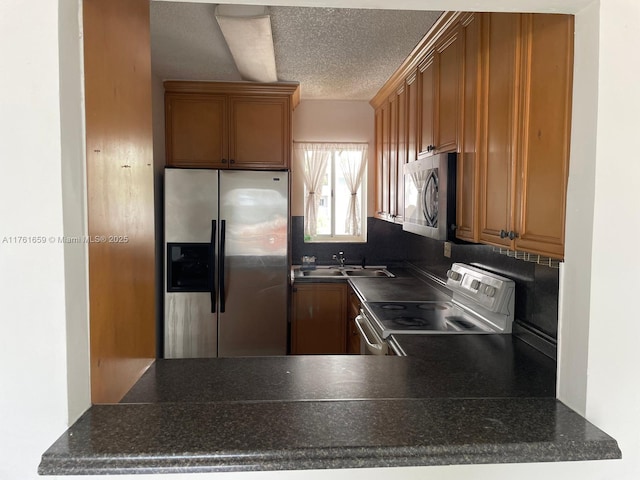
276,413
455,399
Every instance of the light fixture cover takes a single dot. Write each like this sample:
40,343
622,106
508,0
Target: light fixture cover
251,44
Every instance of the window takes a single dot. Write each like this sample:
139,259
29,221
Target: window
334,191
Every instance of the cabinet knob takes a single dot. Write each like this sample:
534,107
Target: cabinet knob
431,148
504,234
232,161
224,160
513,235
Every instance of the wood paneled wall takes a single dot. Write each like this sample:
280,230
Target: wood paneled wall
120,194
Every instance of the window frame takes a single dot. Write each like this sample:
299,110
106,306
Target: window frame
362,194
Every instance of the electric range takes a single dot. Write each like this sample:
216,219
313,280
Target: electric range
482,302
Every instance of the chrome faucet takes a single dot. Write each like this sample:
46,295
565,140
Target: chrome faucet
340,259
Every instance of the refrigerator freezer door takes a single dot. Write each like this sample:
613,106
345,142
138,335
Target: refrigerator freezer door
191,209
190,327
255,208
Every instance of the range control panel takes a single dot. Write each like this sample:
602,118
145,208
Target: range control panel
478,287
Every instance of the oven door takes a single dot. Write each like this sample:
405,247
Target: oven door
370,342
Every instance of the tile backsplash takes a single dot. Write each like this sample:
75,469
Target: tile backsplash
536,285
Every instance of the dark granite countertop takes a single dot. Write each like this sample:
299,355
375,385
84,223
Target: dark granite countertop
306,412
455,399
205,437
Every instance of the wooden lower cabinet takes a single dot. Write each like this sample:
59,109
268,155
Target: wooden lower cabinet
318,320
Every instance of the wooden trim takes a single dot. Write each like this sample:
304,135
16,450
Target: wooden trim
291,89
417,55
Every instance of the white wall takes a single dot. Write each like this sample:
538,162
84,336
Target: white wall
331,121
34,399
38,177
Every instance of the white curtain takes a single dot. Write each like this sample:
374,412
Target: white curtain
353,159
314,158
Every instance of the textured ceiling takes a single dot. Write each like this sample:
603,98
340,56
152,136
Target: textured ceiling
340,54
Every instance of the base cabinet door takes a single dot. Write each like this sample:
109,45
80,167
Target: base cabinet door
318,323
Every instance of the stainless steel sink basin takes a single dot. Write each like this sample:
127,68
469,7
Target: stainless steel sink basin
322,273
368,273
347,271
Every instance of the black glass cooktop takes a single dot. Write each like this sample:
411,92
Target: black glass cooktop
423,317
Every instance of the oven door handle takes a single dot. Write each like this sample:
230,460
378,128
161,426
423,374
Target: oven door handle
375,348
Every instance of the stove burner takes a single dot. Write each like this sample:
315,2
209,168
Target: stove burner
394,306
431,306
412,322
461,322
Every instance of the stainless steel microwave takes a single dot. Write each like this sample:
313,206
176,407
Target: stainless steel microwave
430,196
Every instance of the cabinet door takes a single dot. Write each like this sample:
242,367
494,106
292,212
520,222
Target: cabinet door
319,313
426,102
259,132
397,183
447,93
547,81
382,174
467,164
412,116
196,133
393,157
502,33
379,129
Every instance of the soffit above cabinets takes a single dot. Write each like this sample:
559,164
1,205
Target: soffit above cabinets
337,54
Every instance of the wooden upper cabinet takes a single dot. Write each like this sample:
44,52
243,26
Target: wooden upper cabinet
496,88
393,156
547,65
528,115
384,166
446,110
397,207
260,132
497,179
379,186
468,169
426,82
412,116
229,125
196,130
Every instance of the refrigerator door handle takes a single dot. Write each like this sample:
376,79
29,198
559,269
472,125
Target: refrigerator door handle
212,268
223,225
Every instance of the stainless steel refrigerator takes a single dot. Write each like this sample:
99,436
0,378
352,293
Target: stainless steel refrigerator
226,263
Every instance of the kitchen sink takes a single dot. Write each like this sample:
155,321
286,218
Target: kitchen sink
321,273
346,271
